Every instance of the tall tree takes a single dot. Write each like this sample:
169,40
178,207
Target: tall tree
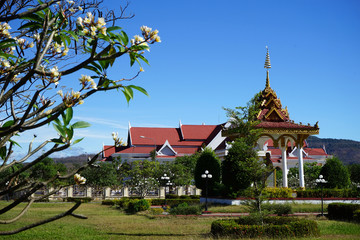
311,173
207,161
42,44
335,173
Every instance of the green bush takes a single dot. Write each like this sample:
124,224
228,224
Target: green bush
156,211
278,208
356,216
78,199
327,193
274,227
137,205
172,202
342,211
108,202
185,209
278,192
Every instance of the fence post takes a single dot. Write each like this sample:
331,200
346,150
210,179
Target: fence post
125,192
107,192
69,192
88,192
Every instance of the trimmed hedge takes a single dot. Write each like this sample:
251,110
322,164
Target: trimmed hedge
274,227
279,192
343,211
328,193
78,199
173,202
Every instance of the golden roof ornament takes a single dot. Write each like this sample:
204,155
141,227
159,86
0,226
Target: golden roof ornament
267,65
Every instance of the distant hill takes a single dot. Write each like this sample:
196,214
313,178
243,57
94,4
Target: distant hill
348,151
72,161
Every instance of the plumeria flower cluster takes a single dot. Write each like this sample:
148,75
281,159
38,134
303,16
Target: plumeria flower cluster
148,36
87,82
79,179
59,49
118,141
4,30
90,27
73,9
54,75
70,98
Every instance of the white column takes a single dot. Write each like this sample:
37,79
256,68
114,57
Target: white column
107,192
284,166
162,192
179,191
125,192
70,191
301,167
88,192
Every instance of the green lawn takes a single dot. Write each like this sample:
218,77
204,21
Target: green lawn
108,223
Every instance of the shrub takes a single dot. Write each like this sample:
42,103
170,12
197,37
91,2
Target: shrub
274,227
137,205
156,211
327,193
342,211
356,216
185,209
278,208
279,192
173,202
78,199
108,202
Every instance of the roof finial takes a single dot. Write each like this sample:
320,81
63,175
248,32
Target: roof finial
267,65
267,59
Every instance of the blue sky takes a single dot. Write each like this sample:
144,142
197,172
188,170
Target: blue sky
212,56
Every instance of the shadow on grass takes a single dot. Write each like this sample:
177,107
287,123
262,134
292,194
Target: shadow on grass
205,235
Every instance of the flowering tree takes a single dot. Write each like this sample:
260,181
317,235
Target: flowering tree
43,43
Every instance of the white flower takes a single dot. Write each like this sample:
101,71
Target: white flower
87,20
90,16
138,39
100,22
93,30
80,8
71,2
103,30
4,63
65,52
79,179
79,21
60,92
54,71
72,10
31,45
37,36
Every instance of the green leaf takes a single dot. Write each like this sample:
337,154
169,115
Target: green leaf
57,141
31,26
3,152
33,17
69,132
60,130
125,38
111,52
8,124
68,116
140,89
12,141
78,140
81,124
110,29
72,35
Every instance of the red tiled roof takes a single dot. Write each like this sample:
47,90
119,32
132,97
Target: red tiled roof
197,132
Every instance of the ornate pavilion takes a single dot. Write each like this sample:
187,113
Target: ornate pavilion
279,132
282,140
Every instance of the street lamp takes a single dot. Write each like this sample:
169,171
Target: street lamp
166,179
206,176
321,181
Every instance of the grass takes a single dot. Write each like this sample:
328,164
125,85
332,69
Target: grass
105,222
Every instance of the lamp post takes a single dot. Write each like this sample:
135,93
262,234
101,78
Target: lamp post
166,179
206,176
321,181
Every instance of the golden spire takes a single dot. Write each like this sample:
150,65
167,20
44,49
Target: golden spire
267,59
267,65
